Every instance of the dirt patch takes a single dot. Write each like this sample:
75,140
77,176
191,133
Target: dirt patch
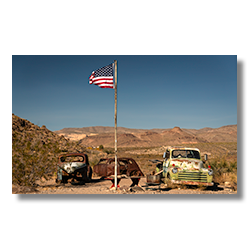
101,186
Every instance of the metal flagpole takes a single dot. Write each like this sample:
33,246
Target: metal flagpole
115,62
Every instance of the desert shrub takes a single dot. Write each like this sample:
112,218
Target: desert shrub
93,160
32,160
222,166
101,147
224,171
108,151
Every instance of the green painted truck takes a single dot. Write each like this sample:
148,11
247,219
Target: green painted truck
183,165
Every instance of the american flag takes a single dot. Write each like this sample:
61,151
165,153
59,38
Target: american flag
103,77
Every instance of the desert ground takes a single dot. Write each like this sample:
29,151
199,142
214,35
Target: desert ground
101,186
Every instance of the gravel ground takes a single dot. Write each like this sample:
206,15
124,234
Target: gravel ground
101,186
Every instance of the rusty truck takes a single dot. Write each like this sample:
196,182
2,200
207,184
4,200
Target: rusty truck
73,168
126,168
183,165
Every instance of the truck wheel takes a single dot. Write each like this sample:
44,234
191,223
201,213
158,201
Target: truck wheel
167,180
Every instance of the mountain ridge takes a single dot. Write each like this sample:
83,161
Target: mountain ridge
127,137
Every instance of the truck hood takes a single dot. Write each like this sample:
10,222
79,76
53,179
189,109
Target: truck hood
187,164
71,167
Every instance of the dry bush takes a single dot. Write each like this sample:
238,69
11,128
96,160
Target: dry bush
32,160
224,171
93,160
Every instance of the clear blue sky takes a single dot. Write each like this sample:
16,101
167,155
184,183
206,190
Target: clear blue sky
153,91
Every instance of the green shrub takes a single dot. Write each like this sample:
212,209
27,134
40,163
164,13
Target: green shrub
224,171
31,161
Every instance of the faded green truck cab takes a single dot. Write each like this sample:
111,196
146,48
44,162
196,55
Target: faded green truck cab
185,166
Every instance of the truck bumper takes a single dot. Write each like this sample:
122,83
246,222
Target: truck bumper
193,183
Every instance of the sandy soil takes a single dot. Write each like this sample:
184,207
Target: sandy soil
101,186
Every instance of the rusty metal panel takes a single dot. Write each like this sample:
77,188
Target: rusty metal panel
101,167
125,166
111,169
133,168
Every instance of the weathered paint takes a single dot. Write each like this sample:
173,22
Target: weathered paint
193,183
71,167
77,167
189,170
126,167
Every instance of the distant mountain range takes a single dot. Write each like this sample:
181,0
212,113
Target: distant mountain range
69,139
99,135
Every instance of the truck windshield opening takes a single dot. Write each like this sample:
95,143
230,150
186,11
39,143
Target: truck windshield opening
186,154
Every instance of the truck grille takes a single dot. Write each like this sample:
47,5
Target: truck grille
192,176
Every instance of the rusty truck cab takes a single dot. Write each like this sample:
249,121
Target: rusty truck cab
73,167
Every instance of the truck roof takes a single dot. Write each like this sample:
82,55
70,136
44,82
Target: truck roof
179,147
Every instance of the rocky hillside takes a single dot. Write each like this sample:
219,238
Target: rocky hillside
35,151
23,128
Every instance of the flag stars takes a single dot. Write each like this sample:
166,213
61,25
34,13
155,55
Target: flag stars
104,71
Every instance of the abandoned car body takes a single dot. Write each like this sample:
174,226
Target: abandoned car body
126,167
74,166
185,166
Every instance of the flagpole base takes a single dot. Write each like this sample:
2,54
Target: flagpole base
113,182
